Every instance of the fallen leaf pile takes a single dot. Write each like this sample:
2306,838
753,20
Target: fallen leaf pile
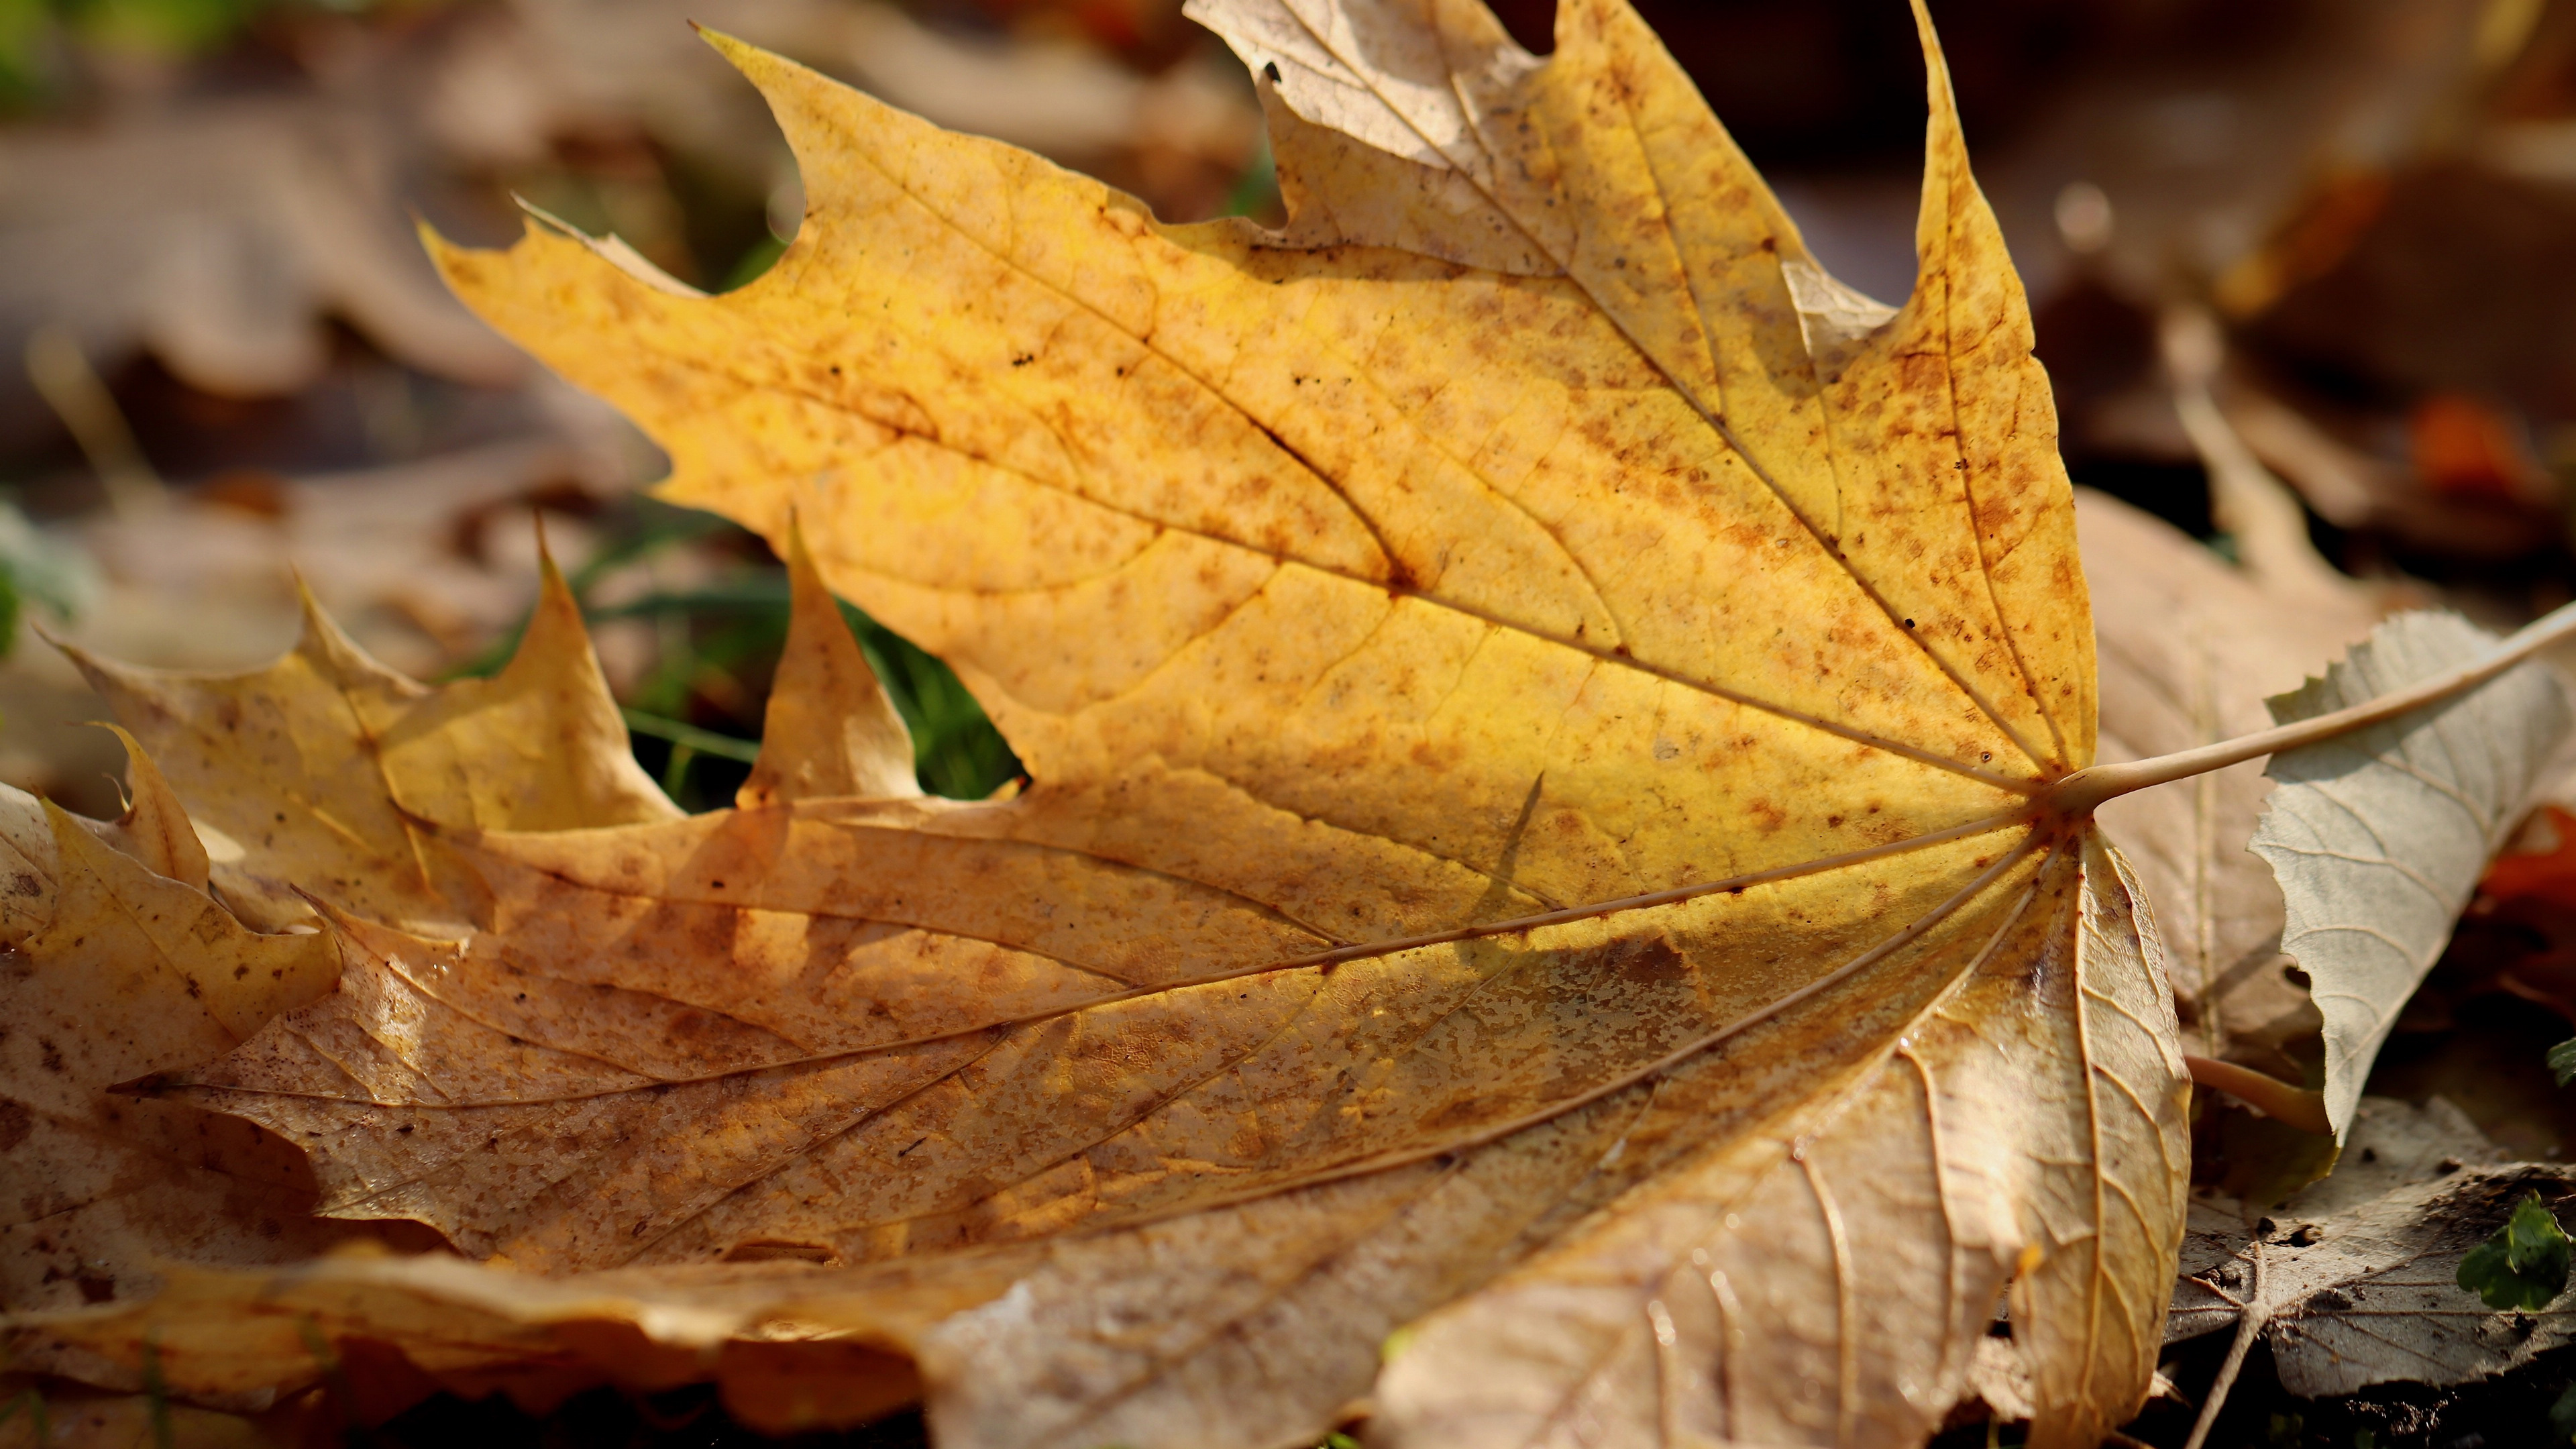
1557,902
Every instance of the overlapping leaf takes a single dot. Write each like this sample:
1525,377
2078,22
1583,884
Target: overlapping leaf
2359,1280
2378,837
135,950
115,971
2372,842
2190,647
318,769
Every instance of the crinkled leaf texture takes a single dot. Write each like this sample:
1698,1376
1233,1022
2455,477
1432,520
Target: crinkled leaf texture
133,949
114,971
2378,837
1535,695
2365,1290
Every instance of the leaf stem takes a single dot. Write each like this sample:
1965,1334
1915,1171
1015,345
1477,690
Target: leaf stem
2294,1106
1335,956
2085,790
2249,1326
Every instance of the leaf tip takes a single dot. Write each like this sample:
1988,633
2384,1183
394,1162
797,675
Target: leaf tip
1936,71
1949,185
549,574
764,68
155,824
557,639
831,729
456,264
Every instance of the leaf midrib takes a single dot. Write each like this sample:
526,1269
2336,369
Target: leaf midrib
2035,841
1162,1362
781,385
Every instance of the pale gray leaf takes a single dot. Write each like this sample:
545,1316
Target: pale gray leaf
2378,837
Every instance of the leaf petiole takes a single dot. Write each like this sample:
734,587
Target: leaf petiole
2295,1106
2086,790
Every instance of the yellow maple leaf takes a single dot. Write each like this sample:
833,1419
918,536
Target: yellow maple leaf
1546,714
1383,593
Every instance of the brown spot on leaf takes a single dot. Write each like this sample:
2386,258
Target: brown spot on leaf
1648,961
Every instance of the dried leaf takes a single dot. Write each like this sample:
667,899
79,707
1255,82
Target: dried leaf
2378,838
321,766
2363,1269
2187,644
202,582
114,972
123,973
1306,575
219,235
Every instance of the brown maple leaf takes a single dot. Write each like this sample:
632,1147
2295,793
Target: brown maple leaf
135,953
1560,854
1347,655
